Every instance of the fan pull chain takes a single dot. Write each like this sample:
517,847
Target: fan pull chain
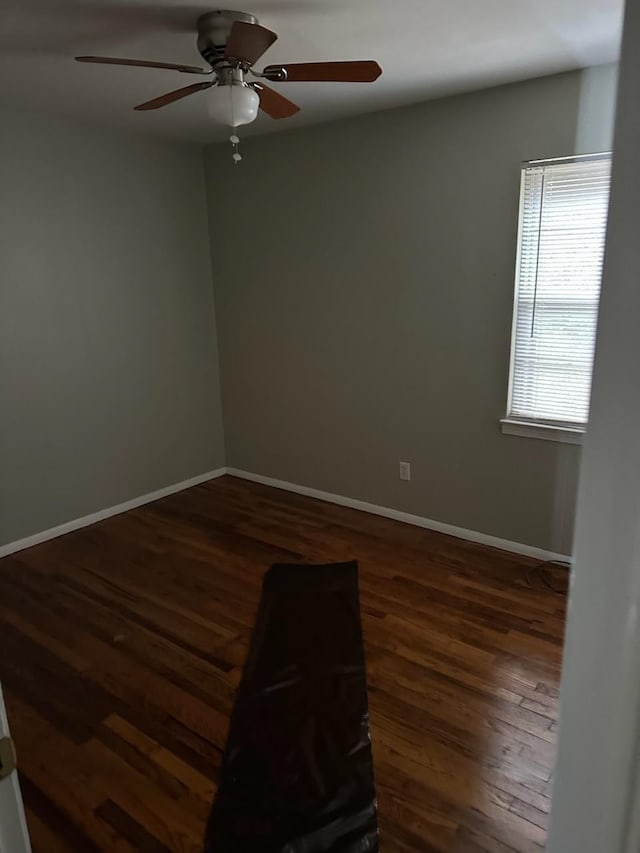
237,156
234,139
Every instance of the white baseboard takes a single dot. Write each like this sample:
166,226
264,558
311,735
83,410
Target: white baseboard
407,518
363,506
86,520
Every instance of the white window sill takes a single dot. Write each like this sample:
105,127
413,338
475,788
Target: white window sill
530,429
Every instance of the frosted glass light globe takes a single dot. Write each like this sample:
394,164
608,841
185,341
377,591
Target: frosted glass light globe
233,105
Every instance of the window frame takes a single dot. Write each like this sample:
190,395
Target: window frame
544,428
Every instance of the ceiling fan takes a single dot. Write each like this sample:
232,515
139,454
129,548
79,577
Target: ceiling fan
231,43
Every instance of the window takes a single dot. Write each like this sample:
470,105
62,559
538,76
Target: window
563,218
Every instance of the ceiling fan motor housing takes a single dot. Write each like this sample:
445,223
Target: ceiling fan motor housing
214,29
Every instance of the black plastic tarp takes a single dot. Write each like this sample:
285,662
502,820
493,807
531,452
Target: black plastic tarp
297,774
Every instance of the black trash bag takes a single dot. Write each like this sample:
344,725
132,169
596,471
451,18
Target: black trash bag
297,773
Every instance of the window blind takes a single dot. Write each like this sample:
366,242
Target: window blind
563,217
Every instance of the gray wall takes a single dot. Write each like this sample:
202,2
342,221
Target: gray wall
109,384
363,273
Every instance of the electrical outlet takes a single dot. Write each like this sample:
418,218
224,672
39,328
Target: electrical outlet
405,471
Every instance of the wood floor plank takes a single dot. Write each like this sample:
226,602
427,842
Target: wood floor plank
193,781
123,645
160,816
45,838
60,785
126,826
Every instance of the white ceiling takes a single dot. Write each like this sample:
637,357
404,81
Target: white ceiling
426,48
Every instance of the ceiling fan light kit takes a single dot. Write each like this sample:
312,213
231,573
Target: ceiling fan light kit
233,102
231,43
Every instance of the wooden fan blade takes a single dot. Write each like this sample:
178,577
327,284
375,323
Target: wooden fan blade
143,63
274,104
170,97
337,72
247,42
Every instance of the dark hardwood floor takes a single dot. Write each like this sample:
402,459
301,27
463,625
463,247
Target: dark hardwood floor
122,645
